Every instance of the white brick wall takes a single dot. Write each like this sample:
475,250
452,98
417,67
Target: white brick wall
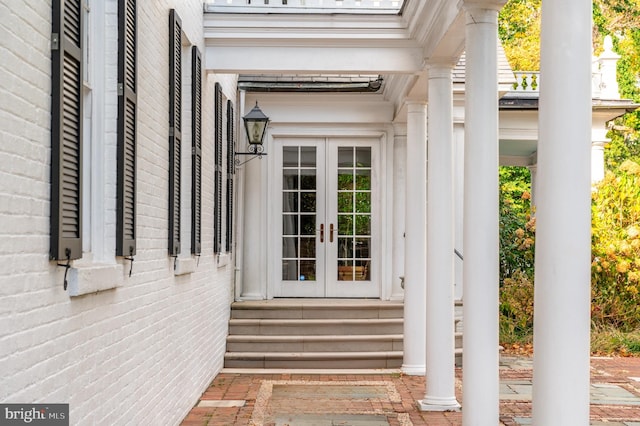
140,353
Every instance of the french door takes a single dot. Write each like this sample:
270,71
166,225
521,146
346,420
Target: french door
327,240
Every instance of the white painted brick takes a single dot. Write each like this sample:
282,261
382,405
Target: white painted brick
140,353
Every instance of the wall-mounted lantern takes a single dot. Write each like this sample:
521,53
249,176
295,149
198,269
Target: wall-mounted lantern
255,124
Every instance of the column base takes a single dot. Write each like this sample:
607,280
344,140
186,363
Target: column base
438,404
414,370
250,296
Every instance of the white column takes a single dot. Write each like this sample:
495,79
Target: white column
440,343
563,220
253,228
415,241
597,159
533,171
458,181
480,357
399,182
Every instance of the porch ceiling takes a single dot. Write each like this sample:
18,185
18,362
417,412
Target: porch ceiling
283,52
395,46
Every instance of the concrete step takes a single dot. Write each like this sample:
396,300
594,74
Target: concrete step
314,360
316,309
315,326
318,334
319,343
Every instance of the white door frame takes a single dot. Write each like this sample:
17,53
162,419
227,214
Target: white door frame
379,253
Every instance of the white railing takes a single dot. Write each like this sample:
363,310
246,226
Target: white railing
330,4
529,81
603,75
526,81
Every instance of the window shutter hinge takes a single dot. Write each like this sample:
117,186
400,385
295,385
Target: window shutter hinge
55,41
120,89
172,131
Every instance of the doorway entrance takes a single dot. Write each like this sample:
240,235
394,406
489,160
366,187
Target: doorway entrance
327,227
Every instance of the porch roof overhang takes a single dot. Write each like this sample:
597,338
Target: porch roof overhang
310,43
519,124
396,47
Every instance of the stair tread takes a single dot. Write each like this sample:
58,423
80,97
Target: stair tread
311,355
314,333
315,320
317,304
319,337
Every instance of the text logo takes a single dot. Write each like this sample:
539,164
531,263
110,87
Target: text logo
34,414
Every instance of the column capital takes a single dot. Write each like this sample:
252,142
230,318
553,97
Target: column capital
440,67
416,106
400,129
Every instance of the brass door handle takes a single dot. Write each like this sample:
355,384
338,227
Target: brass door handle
322,232
331,233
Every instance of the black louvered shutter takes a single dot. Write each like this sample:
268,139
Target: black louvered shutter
126,182
175,129
196,150
217,214
230,172
66,130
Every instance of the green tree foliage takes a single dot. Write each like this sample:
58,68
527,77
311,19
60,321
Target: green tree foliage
517,230
519,31
615,277
616,200
516,223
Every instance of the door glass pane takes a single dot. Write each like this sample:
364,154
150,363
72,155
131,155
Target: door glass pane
308,202
299,209
289,270
308,248
363,157
354,213
308,179
345,270
362,270
307,224
363,224
345,202
363,180
345,156
363,202
290,202
289,247
290,224
308,156
290,156
307,270
345,224
362,248
345,179
290,179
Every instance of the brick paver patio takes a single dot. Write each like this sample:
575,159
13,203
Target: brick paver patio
294,399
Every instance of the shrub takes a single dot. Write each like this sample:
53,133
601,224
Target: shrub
517,226
516,309
615,268
517,240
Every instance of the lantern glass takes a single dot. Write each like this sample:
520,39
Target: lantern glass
255,131
255,124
